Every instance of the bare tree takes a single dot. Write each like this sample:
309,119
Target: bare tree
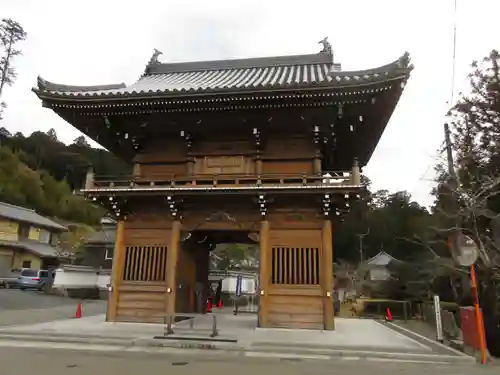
11,33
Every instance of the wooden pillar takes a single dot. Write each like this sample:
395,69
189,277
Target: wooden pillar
89,179
190,166
117,271
264,273
317,165
327,279
258,166
172,257
355,173
136,170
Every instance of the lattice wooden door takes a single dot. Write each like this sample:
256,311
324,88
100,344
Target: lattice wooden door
295,294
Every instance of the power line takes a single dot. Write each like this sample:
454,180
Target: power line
454,54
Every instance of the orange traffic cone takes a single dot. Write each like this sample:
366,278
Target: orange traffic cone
388,315
209,305
79,311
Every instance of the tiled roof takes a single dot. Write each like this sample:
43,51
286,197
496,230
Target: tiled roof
106,235
26,215
39,248
229,76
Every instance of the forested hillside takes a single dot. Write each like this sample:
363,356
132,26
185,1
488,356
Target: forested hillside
41,173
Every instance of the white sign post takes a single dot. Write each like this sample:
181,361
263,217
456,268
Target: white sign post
467,251
439,321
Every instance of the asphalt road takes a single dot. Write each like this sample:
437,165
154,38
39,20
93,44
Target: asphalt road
15,299
28,307
58,362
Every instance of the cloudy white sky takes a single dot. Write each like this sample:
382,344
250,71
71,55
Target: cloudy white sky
107,41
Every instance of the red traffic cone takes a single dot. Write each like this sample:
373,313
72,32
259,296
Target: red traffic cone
388,315
79,312
209,305
219,304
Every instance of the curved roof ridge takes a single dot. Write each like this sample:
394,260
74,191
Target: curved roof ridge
44,85
244,63
402,63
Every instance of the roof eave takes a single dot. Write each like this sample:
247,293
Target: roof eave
48,90
54,227
191,94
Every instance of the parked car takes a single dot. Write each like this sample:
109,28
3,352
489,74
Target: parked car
33,279
9,283
10,280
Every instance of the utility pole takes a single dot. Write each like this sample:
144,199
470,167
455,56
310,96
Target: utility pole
452,185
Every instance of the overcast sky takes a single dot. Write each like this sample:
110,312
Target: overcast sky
108,41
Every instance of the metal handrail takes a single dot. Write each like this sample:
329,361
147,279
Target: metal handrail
168,322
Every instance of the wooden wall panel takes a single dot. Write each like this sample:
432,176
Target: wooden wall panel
296,219
224,147
293,148
143,303
287,167
162,170
163,151
296,311
224,165
146,237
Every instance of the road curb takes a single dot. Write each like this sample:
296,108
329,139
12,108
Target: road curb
273,351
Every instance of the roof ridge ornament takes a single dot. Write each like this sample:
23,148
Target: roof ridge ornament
154,58
41,83
327,47
404,61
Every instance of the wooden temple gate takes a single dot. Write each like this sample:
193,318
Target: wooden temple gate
276,143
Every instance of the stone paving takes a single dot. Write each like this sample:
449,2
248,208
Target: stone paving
357,338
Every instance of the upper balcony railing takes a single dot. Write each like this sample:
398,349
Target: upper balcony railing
223,181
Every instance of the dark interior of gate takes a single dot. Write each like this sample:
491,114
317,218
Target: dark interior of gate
194,263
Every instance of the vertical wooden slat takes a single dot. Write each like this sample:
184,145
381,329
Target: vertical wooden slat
163,263
289,265
300,279
264,273
310,265
275,265
133,262
154,263
117,271
282,265
141,263
314,255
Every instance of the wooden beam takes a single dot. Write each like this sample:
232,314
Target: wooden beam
264,273
172,258
117,271
327,277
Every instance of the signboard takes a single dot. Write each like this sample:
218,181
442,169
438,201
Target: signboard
239,282
467,250
439,322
